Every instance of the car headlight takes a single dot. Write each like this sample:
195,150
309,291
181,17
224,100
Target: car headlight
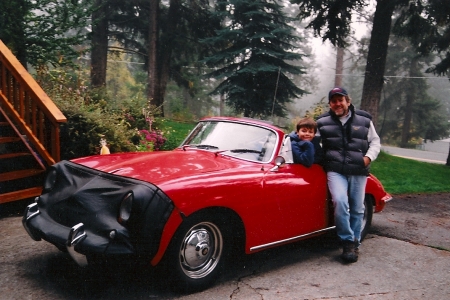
50,180
125,208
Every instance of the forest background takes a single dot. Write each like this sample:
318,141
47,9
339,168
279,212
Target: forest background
125,70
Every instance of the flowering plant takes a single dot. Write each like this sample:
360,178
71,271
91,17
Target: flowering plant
150,140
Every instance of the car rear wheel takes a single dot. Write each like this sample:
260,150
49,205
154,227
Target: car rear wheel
196,254
368,213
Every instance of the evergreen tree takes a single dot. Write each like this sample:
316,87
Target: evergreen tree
427,25
168,46
331,20
99,43
13,16
255,60
408,113
43,31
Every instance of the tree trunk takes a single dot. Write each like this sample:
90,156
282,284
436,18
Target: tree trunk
153,75
448,156
99,44
167,49
339,67
376,58
410,97
222,105
12,18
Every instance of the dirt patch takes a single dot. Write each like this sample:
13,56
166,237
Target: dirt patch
417,218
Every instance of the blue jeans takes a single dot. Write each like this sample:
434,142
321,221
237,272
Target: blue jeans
347,193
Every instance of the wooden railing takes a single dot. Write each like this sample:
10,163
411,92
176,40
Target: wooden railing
28,105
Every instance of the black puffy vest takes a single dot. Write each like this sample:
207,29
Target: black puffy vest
345,145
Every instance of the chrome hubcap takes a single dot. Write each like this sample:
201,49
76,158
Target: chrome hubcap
201,250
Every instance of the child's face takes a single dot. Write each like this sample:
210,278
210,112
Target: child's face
306,134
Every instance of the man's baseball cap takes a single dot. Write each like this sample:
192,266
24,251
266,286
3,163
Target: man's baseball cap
337,91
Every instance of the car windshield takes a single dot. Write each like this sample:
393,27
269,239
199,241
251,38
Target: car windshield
234,139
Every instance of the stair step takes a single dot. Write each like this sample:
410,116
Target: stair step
12,155
4,124
21,194
19,174
9,139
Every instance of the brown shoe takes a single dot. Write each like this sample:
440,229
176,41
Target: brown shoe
349,252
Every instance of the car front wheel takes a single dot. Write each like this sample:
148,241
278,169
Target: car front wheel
196,254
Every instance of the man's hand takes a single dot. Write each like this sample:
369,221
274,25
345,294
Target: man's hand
366,161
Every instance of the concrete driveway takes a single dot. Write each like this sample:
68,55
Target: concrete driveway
388,269
406,256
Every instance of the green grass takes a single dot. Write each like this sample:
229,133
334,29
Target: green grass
174,131
404,176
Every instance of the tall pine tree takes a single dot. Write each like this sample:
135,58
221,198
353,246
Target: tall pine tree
331,19
43,31
170,45
255,60
427,25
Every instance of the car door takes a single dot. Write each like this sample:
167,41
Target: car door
293,202
299,196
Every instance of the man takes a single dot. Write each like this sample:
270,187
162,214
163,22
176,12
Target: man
349,143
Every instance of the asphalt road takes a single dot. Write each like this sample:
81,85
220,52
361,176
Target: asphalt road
421,155
406,256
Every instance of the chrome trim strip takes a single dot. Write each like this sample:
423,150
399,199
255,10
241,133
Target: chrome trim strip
76,235
115,170
387,199
290,239
31,211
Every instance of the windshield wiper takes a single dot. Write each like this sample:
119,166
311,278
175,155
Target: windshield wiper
245,151
202,146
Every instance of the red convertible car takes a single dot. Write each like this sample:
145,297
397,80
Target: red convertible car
231,184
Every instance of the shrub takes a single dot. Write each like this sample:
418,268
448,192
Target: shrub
126,125
88,119
81,135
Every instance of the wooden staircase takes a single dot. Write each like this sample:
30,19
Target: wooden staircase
29,131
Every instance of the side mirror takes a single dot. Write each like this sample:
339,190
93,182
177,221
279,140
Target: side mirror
279,162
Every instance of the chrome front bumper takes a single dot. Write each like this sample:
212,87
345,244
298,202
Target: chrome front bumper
74,239
31,211
76,235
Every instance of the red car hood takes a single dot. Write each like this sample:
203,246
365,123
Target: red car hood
160,166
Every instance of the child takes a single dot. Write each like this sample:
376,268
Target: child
305,147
